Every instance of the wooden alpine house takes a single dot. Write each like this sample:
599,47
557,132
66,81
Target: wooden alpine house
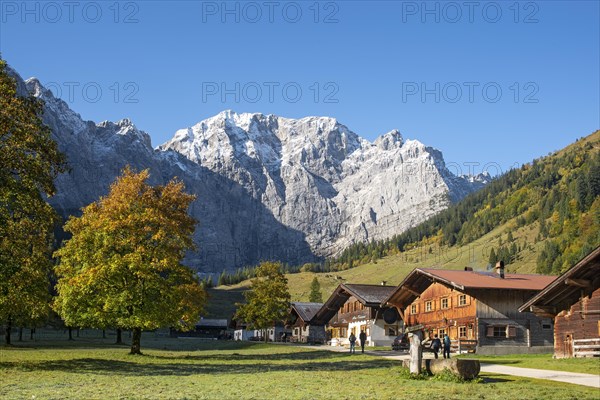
573,301
478,310
352,308
302,325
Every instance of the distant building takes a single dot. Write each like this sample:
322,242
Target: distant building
206,328
302,325
243,331
240,330
573,301
478,310
353,308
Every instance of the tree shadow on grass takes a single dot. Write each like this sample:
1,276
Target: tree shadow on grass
293,356
99,366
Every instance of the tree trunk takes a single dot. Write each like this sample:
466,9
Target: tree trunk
119,337
103,333
20,334
135,341
31,332
70,333
8,329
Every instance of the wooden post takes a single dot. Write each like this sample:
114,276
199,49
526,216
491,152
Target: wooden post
416,353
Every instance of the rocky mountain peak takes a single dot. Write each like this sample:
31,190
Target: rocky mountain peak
392,139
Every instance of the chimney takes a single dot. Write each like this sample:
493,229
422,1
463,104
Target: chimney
468,269
500,268
383,283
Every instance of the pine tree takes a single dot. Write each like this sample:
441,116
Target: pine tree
315,291
492,259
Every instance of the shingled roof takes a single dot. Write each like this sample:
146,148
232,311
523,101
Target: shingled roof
306,311
369,295
566,290
421,278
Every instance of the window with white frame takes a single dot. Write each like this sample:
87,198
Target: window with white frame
462,299
444,303
428,306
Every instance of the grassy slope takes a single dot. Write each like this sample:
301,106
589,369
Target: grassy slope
181,369
395,267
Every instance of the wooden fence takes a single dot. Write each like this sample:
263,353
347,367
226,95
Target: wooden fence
586,347
463,346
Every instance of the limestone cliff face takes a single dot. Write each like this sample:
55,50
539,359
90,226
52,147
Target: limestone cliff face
268,187
318,177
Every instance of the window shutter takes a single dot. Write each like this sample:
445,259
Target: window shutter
512,331
490,331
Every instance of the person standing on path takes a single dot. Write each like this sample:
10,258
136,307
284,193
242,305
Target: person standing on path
446,346
436,343
352,340
363,340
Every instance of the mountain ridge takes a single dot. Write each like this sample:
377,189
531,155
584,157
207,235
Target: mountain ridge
268,187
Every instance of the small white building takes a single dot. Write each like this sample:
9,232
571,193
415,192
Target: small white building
242,334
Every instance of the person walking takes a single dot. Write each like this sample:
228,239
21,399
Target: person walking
363,340
352,340
446,346
436,343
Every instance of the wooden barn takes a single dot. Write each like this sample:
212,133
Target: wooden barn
301,323
478,310
573,301
353,308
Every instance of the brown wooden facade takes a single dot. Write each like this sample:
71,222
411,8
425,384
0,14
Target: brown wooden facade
443,310
580,321
479,308
573,300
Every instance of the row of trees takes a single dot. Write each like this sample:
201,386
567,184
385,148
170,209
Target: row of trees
122,266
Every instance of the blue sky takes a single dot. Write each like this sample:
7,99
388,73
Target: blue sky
494,83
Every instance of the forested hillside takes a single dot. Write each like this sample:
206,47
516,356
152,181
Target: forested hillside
560,192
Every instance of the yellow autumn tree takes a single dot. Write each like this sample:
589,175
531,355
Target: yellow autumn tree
122,267
29,162
268,300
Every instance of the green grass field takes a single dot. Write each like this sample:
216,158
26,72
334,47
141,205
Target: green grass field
192,369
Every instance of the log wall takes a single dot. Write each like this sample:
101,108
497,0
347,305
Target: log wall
581,321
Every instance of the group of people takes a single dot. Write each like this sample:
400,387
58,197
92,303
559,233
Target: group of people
436,344
352,339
